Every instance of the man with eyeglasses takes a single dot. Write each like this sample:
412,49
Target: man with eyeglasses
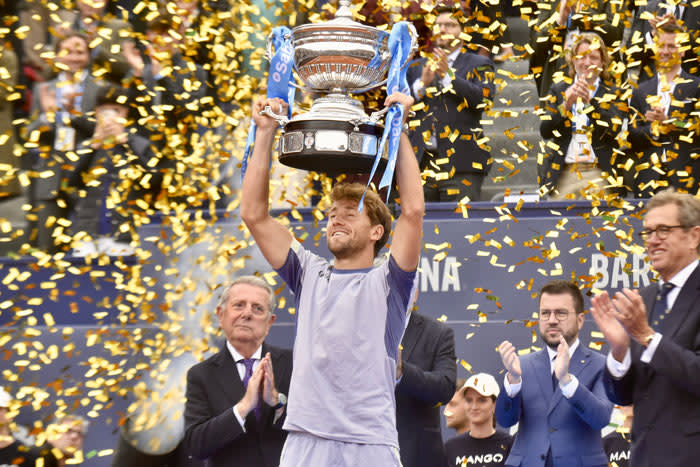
654,338
556,394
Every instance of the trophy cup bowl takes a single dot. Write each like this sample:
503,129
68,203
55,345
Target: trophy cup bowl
335,59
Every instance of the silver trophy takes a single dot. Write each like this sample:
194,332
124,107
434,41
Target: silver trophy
335,59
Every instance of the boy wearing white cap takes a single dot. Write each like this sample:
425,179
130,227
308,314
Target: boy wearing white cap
482,445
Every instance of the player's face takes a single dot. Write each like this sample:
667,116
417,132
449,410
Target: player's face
480,409
456,411
588,61
562,320
348,231
246,317
677,249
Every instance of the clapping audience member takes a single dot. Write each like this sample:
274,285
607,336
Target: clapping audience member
556,394
63,120
558,22
581,117
482,445
113,163
663,120
166,90
456,411
455,86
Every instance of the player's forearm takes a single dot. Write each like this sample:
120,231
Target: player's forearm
256,182
409,182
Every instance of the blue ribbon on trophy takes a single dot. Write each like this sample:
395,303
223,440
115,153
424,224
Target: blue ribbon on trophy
400,46
280,82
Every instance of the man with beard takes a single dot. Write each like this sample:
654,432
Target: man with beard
351,314
556,394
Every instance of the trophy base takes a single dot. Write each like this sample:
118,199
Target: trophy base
330,146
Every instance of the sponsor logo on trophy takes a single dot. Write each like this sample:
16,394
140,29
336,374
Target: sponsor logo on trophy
336,59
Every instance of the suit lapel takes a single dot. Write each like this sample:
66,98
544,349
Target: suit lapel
687,297
226,375
414,329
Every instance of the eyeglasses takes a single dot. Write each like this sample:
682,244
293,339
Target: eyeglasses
560,315
662,231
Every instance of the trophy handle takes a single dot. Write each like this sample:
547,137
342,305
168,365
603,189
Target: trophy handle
414,48
281,119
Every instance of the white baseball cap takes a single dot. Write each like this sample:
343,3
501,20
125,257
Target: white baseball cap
484,384
5,398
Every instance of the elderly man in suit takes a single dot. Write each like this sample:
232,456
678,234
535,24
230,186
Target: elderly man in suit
236,399
663,120
556,394
427,371
654,337
455,86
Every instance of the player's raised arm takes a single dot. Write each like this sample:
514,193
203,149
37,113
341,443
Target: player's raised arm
273,238
407,240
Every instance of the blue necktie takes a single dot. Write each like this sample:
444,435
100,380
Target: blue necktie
660,306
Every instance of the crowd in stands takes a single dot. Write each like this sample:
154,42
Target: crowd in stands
115,110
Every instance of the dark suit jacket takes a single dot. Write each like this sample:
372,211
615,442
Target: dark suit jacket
428,380
211,429
570,427
556,125
458,110
684,108
666,391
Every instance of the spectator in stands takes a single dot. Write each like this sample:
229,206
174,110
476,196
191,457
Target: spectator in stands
12,452
426,375
556,394
112,164
581,119
166,91
63,120
64,441
482,445
234,417
9,163
663,121
455,86
617,443
657,13
456,411
105,33
555,25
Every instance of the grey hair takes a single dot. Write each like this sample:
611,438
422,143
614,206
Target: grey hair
688,206
74,420
249,280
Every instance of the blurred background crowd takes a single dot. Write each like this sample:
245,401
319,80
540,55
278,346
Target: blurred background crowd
113,111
